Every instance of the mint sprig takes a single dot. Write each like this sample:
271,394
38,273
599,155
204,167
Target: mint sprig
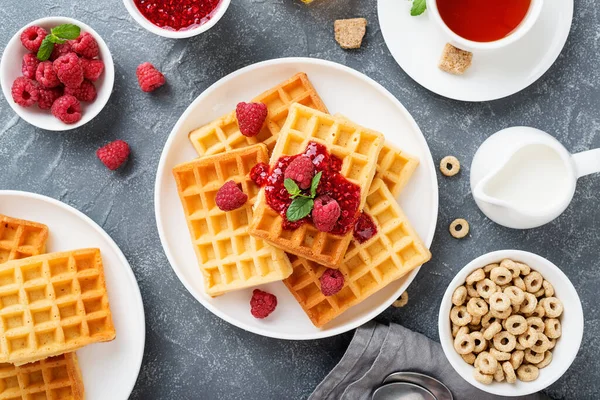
58,35
302,204
418,7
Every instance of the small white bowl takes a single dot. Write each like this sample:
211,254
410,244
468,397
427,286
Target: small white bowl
531,17
567,345
172,34
10,69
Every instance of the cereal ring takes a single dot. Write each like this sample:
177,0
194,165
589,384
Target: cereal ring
528,373
533,282
553,307
449,166
487,320
525,269
500,302
553,329
502,314
539,311
479,341
463,330
402,300
490,267
540,293
475,276
516,358
459,296
548,289
528,338
471,291
509,372
482,378
505,341
516,325
486,363
459,228
542,344
463,344
486,288
512,267
501,275
536,323
469,358
529,304
492,330
455,329
475,320
552,344
518,282
516,309
533,357
546,361
460,316
519,346
499,374
499,355
477,307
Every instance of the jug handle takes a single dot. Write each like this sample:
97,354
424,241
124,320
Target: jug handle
587,162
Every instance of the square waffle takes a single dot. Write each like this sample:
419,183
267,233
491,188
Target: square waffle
228,256
52,304
54,378
20,238
223,134
356,147
368,267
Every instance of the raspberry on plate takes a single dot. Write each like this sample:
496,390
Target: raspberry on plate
67,108
32,37
251,117
332,281
85,45
47,97
230,197
69,70
114,154
29,65
325,213
301,170
60,50
262,304
149,78
25,91
86,92
46,76
92,69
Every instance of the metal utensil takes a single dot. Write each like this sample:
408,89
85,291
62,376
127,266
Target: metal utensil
439,390
402,391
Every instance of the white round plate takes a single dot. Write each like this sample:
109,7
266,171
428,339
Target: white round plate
343,90
110,367
417,42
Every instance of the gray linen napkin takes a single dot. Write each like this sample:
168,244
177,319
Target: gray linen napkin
378,350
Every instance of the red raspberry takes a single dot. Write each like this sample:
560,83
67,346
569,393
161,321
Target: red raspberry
25,92
92,69
230,196
60,50
68,69
262,304
29,65
46,75
149,77
114,154
47,97
86,92
85,45
32,37
325,213
301,170
332,281
251,117
67,108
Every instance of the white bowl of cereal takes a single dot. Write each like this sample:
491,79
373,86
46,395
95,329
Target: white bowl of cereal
531,333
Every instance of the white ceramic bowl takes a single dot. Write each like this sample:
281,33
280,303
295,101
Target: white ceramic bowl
531,17
567,345
10,69
172,34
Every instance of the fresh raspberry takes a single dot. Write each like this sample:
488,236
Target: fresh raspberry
332,281
85,45
47,97
86,92
46,76
149,77
60,50
32,37
301,170
69,71
92,69
114,154
29,65
67,108
25,92
251,117
230,196
325,213
262,304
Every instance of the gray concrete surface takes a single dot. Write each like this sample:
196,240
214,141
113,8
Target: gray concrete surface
192,354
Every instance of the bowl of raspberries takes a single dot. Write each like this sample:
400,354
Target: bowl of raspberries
57,73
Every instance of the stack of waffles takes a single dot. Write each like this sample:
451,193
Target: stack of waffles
253,244
50,306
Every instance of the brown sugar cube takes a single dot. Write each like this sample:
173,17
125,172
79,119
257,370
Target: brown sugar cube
349,33
455,60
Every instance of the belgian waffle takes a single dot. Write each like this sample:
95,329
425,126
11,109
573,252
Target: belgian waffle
228,256
55,378
20,238
51,304
357,148
223,134
368,267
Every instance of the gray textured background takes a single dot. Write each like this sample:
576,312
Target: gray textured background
189,352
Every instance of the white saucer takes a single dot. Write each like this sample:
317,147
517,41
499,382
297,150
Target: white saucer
109,369
416,44
343,90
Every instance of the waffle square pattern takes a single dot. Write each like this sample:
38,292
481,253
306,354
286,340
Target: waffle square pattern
52,304
228,256
21,239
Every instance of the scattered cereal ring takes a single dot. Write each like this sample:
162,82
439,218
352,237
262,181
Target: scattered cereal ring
505,341
490,267
459,296
529,304
516,325
449,166
552,344
487,320
528,338
511,266
540,293
509,372
455,329
552,329
463,330
516,309
546,361
519,346
482,378
486,363
463,344
553,307
477,307
479,341
516,358
469,358
486,288
492,330
402,300
518,282
472,291
542,344
501,275
459,228
533,357
548,289
475,319
502,314
500,355
533,282
460,316
528,373
499,374
475,276
525,269
536,323
500,302
539,311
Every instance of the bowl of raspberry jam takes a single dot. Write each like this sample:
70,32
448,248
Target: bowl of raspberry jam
177,18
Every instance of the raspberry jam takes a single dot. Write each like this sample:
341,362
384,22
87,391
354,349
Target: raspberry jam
332,183
364,228
177,15
259,174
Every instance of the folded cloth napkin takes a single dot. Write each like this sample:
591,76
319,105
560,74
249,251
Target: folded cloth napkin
378,350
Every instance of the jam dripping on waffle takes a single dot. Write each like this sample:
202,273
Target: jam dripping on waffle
364,228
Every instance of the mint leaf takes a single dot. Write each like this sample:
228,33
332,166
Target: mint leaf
299,209
45,49
315,184
291,187
418,7
55,40
66,31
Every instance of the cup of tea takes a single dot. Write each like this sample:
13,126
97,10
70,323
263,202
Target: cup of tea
484,24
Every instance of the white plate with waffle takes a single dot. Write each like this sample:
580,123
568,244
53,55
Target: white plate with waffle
344,91
109,367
